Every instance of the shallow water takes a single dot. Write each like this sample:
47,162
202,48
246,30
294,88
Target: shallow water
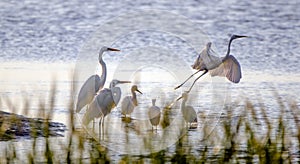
42,41
208,99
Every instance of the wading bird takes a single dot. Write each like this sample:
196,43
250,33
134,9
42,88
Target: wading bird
93,84
104,102
130,102
188,112
226,66
154,114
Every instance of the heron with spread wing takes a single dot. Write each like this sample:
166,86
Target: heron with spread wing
227,66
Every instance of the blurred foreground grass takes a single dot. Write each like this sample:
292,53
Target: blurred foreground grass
247,138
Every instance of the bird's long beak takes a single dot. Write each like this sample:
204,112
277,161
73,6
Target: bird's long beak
179,98
241,36
112,49
139,91
123,82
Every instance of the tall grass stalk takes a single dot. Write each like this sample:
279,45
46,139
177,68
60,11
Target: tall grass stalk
238,139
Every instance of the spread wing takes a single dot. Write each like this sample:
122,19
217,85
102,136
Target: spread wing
211,61
230,68
207,59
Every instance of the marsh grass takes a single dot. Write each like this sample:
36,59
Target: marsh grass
240,139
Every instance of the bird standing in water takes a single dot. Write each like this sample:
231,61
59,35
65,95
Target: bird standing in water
93,84
188,112
130,102
103,103
154,114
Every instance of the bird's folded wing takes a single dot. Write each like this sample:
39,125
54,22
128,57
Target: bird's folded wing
229,68
153,112
126,104
105,100
88,91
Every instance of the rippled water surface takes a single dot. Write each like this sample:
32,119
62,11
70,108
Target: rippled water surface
55,31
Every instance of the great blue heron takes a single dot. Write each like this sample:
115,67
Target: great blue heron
104,102
188,112
93,84
154,114
226,66
130,102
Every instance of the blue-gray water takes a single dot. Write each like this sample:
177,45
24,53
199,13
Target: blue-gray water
55,31
46,35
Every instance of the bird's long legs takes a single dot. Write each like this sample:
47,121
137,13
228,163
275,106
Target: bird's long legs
196,80
100,126
186,80
87,108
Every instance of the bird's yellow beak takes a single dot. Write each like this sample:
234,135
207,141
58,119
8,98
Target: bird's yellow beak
112,49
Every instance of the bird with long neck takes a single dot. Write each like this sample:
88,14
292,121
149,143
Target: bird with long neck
229,44
188,112
130,102
103,67
226,66
104,102
94,83
154,114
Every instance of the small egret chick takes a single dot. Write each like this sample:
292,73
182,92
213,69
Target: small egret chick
130,102
154,114
188,112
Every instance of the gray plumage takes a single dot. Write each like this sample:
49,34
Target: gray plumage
130,102
188,112
104,102
227,66
154,114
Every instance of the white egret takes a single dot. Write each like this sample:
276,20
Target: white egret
93,84
226,66
104,102
154,114
188,112
130,102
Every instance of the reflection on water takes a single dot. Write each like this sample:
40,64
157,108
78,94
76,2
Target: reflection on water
133,136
